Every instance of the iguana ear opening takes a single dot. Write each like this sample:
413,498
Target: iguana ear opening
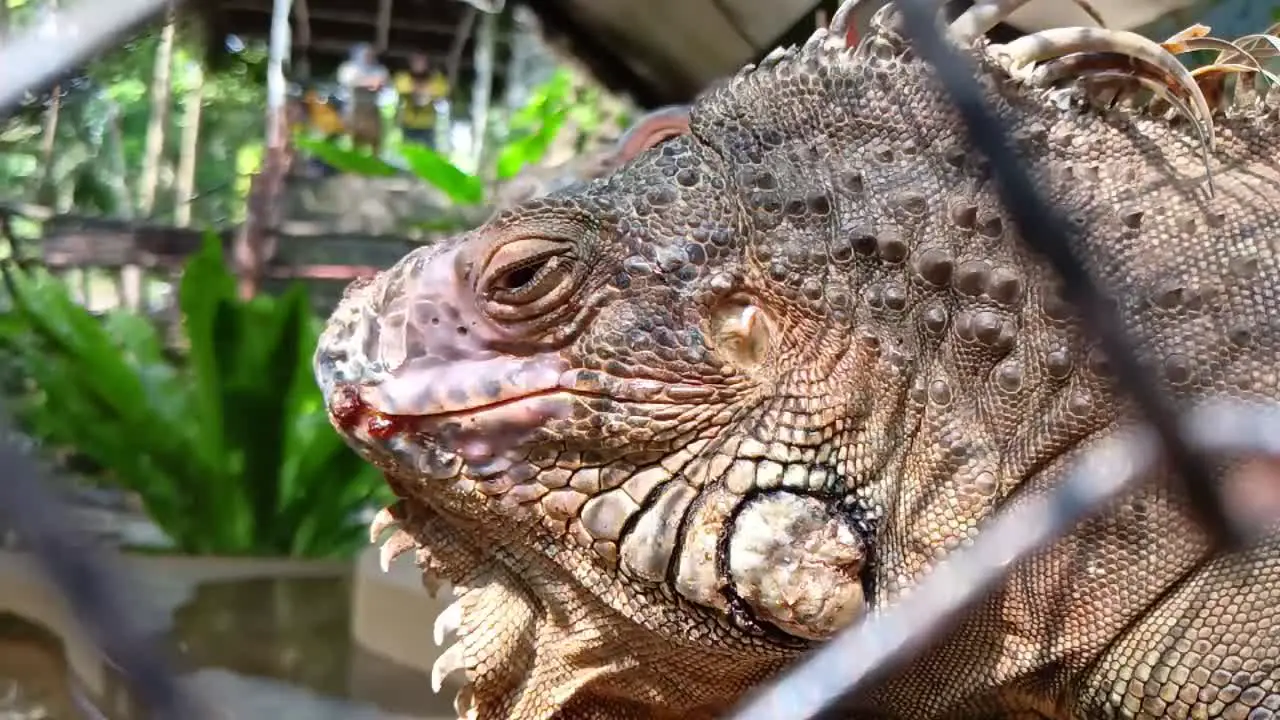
650,130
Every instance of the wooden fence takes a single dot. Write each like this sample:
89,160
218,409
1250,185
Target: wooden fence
70,245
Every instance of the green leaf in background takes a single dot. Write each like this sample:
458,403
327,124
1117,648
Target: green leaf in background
536,125
356,162
229,448
462,187
533,130
528,150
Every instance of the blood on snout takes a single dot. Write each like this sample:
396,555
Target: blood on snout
348,409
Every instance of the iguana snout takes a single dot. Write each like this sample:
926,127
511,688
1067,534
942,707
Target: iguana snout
420,377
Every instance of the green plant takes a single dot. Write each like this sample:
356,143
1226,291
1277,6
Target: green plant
533,128
229,447
536,125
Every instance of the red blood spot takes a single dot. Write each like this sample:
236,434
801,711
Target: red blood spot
347,406
380,426
349,410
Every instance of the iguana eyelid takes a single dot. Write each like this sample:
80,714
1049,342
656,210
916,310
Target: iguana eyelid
527,270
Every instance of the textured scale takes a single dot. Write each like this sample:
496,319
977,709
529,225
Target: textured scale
668,428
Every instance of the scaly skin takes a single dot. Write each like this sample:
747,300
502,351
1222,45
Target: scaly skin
667,429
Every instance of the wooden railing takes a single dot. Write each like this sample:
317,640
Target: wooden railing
72,244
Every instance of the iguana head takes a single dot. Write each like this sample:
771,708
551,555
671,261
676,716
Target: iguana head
649,425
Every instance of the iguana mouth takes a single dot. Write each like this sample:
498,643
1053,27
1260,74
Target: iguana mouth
480,426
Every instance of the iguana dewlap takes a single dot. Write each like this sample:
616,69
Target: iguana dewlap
667,429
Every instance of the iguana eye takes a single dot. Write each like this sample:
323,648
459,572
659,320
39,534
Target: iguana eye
528,271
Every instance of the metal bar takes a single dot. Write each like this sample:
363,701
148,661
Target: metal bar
87,582
868,651
1045,232
277,57
37,58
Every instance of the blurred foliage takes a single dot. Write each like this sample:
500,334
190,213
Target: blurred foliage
94,160
226,442
530,134
535,126
229,446
99,141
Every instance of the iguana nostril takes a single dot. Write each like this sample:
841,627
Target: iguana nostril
458,396
490,389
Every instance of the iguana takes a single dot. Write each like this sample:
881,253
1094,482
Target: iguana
651,128
667,429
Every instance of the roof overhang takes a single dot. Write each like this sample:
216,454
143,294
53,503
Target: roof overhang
666,51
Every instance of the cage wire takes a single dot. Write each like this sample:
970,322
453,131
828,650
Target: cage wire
862,654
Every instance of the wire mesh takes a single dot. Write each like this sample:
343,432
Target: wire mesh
863,653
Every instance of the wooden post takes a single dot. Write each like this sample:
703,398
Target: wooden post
384,26
253,246
302,24
482,90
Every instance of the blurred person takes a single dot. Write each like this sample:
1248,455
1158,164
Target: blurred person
323,120
419,87
363,77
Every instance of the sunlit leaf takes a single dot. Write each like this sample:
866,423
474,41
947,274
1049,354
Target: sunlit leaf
435,169
343,159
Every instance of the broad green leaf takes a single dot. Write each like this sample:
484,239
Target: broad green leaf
432,167
357,162
230,448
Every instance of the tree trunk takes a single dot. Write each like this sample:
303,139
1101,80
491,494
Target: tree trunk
486,39
185,184
119,168
131,280
149,178
46,191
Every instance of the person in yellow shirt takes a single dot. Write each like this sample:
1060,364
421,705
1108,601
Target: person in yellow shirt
419,88
324,118
314,112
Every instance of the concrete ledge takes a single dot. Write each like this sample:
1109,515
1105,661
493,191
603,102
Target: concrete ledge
384,661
